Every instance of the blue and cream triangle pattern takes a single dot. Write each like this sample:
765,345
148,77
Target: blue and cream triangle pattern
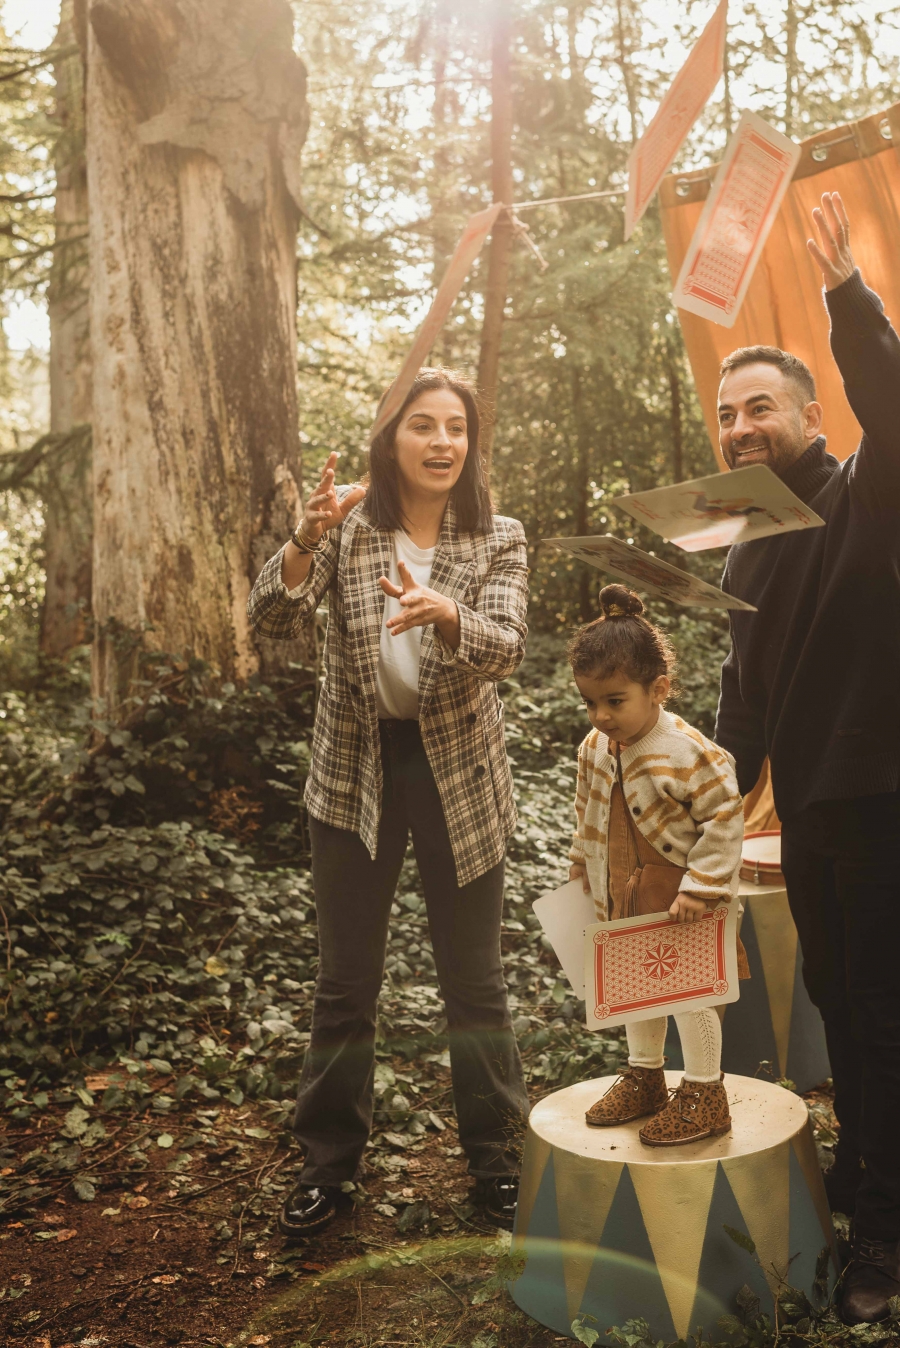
612,1241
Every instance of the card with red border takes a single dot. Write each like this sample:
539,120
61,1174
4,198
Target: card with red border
646,572
724,508
639,967
685,99
737,217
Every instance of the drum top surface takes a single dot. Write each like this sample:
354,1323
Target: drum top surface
764,848
762,1115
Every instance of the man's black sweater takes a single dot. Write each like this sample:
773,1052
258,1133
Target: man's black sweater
813,677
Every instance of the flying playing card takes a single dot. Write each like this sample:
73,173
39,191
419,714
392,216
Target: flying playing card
725,508
478,227
686,98
638,967
647,573
739,212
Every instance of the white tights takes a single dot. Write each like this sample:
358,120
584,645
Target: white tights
701,1043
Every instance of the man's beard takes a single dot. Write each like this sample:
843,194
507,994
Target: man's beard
782,451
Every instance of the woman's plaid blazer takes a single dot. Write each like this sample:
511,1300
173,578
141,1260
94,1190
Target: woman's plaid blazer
460,713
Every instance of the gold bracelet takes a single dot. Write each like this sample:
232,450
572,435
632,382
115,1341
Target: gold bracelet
304,544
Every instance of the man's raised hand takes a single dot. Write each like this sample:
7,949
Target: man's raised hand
323,509
834,257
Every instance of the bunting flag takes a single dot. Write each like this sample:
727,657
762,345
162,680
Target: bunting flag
783,305
687,96
473,236
739,213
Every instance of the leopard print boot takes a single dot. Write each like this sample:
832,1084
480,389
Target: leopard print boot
696,1109
638,1092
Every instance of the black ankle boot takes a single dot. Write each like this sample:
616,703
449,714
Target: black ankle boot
871,1279
308,1210
497,1199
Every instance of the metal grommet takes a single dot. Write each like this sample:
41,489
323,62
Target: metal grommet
885,130
819,153
683,187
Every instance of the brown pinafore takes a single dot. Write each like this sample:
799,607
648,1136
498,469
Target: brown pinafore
629,849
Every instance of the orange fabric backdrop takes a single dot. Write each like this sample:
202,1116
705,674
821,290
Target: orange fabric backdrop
784,305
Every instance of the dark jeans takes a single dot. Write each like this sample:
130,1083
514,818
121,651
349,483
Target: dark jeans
353,902
841,863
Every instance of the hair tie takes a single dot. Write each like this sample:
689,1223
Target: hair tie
615,611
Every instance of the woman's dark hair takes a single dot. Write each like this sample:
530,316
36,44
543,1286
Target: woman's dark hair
471,496
621,641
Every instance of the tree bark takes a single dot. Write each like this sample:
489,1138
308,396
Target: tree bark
196,116
66,480
587,577
676,421
502,234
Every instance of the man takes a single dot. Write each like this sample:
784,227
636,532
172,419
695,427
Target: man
813,680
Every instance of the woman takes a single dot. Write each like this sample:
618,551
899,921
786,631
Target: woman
427,596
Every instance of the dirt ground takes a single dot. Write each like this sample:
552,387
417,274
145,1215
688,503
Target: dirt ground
171,1240
177,1244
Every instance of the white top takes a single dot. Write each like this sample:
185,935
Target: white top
397,683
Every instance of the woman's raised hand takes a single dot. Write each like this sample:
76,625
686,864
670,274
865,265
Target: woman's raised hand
323,509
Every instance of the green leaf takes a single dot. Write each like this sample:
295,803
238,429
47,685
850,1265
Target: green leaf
260,1133
165,1140
740,1238
84,1190
133,784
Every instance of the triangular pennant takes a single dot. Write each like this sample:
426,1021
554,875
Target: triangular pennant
585,1189
777,939
760,1183
535,1162
675,1199
805,1152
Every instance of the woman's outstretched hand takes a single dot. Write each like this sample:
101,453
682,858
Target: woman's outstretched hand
421,606
323,509
834,257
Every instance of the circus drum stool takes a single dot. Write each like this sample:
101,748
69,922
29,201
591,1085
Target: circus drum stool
774,1021
614,1230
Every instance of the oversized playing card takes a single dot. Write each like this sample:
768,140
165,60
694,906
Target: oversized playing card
647,573
478,227
739,213
639,967
725,508
564,914
686,98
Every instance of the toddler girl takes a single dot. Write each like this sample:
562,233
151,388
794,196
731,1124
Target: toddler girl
660,825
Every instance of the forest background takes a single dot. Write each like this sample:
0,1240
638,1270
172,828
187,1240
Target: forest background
158,925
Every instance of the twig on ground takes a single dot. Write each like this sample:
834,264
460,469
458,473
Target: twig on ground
451,1290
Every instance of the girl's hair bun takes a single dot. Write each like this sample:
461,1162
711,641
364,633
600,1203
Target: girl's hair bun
617,601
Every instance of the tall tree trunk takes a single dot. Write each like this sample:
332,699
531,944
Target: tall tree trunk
587,576
676,420
67,478
442,185
501,235
623,51
791,24
196,116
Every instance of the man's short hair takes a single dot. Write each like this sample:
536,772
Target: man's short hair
790,366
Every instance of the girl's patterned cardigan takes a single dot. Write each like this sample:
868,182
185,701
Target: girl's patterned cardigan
682,792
